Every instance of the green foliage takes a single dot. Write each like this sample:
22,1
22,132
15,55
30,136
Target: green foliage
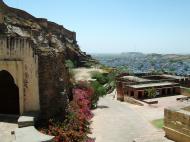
69,64
76,126
88,64
124,69
101,78
158,123
110,86
108,80
187,90
99,91
151,92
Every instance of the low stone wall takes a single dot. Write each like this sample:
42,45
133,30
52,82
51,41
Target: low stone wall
177,124
133,101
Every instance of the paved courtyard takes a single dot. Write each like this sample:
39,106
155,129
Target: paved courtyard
156,111
116,121
7,124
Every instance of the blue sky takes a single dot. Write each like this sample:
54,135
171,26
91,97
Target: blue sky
115,26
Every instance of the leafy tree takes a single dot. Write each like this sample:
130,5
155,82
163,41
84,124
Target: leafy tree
99,91
151,92
101,78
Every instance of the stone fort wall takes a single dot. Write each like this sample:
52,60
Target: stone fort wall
18,57
41,76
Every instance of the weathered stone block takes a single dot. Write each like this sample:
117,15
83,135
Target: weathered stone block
176,124
25,121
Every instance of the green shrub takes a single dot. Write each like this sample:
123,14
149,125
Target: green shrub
158,123
88,64
99,91
69,64
101,78
151,92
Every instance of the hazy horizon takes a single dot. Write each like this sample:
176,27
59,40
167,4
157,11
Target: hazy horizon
149,26
140,52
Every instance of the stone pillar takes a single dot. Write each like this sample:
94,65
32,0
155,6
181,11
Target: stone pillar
120,91
166,91
169,91
136,94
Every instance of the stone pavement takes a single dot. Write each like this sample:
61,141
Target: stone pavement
156,111
115,121
7,124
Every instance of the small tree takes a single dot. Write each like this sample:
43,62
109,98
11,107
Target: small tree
151,92
99,91
100,77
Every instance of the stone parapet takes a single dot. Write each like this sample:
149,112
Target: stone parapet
177,124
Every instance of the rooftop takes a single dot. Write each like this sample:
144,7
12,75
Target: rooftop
135,79
173,76
146,85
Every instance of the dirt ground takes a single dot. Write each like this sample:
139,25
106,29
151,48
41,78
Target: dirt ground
81,74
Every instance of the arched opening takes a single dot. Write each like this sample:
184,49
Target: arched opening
9,94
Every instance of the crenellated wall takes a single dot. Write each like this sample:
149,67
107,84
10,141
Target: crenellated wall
18,57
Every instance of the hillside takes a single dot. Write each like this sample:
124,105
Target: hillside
139,62
46,35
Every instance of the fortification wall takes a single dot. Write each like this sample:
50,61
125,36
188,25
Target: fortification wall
18,57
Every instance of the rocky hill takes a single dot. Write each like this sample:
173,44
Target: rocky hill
139,62
45,48
46,35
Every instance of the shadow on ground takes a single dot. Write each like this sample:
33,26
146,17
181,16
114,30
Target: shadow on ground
8,118
102,107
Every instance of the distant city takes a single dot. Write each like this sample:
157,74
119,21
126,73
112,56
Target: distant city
139,62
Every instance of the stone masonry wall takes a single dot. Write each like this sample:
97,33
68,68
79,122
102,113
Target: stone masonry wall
119,88
19,53
177,124
53,79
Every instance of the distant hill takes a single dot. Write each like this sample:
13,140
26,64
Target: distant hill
139,62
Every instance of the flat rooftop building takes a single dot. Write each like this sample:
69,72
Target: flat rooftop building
147,85
135,78
138,86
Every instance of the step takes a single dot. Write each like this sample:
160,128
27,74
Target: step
25,121
30,134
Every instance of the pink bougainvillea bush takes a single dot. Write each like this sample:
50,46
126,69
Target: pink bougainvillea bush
76,126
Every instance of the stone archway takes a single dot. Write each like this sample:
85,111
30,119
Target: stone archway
9,94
